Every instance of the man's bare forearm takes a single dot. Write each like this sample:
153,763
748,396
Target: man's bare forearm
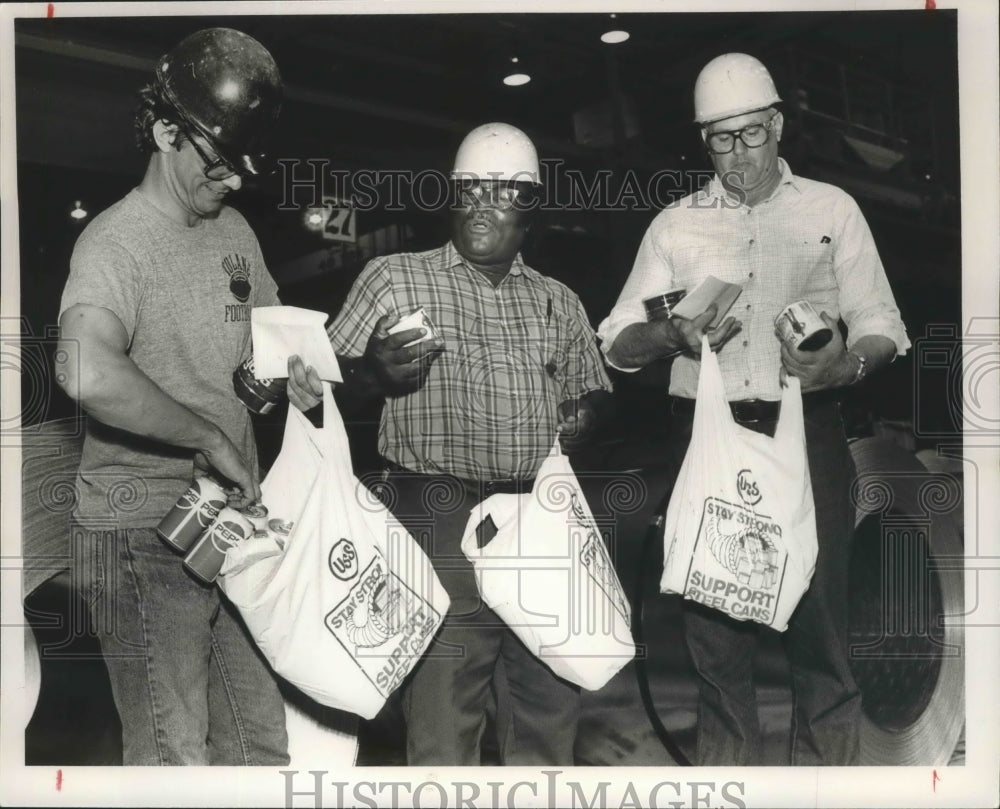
640,344
113,390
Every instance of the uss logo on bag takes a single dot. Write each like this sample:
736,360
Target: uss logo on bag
344,560
747,487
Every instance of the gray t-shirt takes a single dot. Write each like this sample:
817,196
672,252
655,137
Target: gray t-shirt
184,296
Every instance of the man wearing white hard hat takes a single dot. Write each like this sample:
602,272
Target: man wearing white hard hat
510,360
783,238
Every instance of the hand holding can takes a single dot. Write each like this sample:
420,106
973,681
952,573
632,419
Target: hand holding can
799,326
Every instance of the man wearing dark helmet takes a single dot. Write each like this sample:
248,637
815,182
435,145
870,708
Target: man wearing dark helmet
154,317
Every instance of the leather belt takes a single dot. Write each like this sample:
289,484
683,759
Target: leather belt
478,488
751,411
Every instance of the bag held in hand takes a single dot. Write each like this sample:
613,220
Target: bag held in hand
740,532
352,603
547,574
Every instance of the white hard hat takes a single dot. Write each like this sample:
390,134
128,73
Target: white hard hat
496,152
732,84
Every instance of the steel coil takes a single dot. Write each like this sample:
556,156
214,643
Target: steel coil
906,636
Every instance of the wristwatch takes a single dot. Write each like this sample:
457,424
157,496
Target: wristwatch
862,366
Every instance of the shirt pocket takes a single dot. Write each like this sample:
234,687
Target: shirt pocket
809,247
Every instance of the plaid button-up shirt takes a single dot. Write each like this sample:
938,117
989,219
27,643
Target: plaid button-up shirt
488,408
807,241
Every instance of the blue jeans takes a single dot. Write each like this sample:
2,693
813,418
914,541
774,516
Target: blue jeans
826,715
446,696
189,683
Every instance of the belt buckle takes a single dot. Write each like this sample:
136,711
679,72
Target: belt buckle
491,487
745,411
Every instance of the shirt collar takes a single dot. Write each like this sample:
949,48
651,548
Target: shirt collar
453,258
717,190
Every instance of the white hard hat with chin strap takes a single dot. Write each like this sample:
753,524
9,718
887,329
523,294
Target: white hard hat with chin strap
497,151
732,84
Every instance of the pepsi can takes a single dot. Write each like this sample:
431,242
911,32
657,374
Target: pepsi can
205,558
192,514
258,395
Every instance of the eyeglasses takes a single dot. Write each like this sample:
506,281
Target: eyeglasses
215,169
503,197
753,137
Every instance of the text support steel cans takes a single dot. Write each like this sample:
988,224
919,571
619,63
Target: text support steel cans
661,306
193,513
258,395
800,326
205,559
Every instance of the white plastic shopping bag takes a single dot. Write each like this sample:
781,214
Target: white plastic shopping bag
351,604
548,576
740,529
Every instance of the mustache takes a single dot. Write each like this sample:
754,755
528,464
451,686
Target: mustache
486,216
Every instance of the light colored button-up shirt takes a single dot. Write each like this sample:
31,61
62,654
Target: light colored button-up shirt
807,241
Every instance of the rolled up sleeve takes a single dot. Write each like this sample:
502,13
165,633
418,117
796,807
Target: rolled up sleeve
651,273
866,302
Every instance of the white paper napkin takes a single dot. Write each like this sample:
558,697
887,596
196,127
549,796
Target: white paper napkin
280,331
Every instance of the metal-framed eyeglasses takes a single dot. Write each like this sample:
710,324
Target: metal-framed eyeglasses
215,168
753,136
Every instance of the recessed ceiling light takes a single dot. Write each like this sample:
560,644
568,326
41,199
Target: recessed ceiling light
614,37
78,211
516,79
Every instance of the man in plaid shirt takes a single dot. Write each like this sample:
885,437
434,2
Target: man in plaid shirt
470,411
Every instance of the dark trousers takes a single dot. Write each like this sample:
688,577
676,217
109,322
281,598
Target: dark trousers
826,702
447,695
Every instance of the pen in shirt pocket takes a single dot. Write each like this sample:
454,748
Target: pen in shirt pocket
548,311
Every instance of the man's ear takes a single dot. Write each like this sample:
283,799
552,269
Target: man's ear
779,123
165,135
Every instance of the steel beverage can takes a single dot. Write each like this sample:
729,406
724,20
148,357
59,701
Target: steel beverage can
799,326
280,529
192,514
661,306
205,558
416,320
258,395
257,514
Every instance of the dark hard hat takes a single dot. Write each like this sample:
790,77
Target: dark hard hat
226,85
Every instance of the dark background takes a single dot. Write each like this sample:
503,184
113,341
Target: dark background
393,93
871,105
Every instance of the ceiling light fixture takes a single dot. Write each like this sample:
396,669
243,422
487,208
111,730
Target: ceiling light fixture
314,219
615,35
78,212
516,79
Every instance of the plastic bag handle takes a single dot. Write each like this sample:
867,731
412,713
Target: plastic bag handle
710,401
